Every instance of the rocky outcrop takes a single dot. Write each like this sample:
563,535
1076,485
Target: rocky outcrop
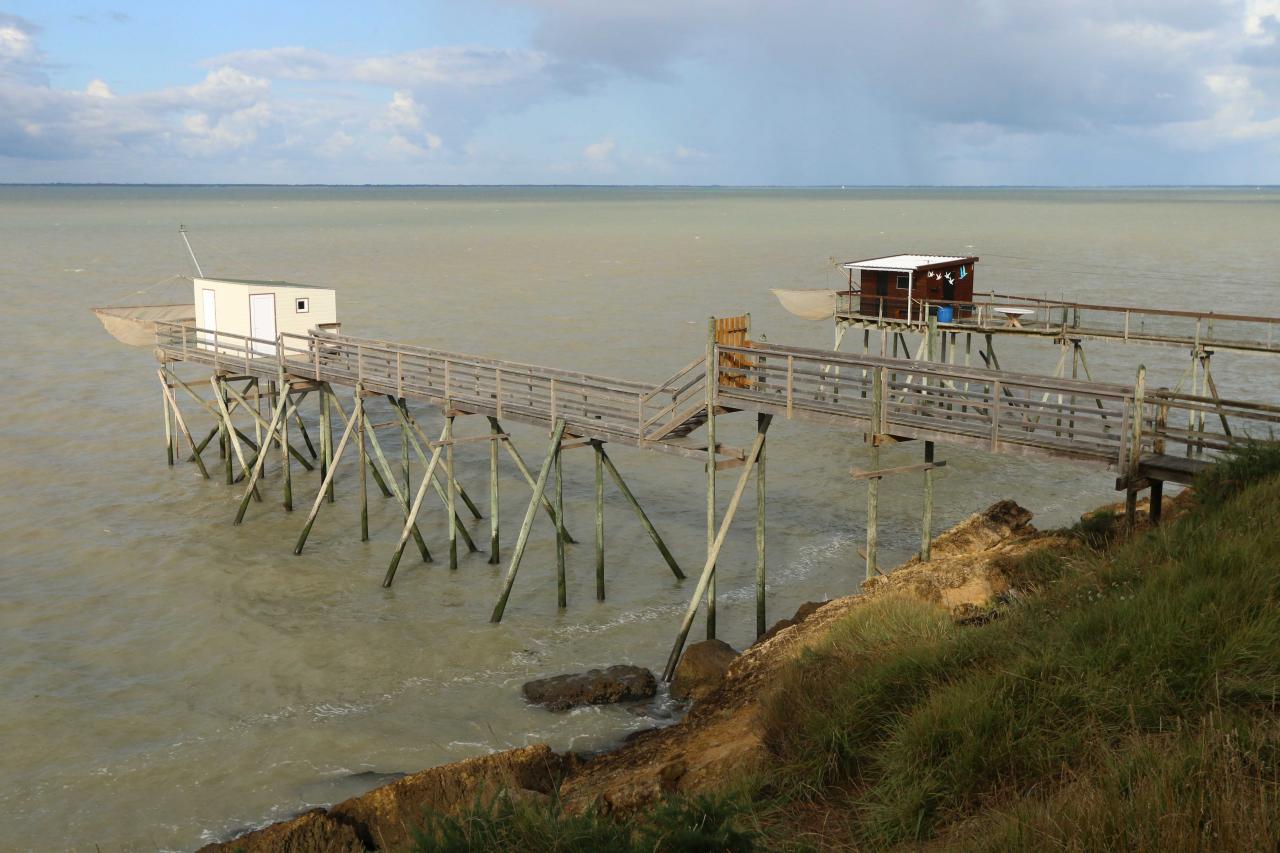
701,669
621,683
386,817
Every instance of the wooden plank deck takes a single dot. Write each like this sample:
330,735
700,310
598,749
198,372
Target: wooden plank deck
1081,422
1058,319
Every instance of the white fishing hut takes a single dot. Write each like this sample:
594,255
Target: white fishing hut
262,309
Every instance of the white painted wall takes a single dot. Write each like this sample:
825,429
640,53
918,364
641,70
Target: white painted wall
231,306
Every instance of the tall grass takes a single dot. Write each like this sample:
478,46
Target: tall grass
934,725
1130,704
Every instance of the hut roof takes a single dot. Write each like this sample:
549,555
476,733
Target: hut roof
909,263
262,282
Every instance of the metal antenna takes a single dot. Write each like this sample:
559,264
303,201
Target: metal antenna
182,229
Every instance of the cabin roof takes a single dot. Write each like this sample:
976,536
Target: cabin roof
262,282
908,263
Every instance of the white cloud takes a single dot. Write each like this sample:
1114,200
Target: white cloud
99,89
685,154
600,152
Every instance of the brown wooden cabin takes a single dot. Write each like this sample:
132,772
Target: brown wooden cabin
894,286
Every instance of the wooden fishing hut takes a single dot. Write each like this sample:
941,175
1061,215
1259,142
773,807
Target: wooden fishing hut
261,310
892,286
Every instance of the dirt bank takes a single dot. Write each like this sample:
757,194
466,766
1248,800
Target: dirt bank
720,739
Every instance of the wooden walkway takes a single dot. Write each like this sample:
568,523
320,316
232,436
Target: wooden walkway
1058,319
1082,422
1147,436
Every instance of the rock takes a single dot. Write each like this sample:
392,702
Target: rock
803,612
315,830
388,816
621,683
701,669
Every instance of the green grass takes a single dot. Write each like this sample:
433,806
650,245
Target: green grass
1131,703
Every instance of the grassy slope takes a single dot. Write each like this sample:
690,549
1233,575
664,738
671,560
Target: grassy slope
1130,704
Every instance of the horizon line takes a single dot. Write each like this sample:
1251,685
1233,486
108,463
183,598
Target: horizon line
252,184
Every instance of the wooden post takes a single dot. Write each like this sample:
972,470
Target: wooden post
325,487
411,515
562,599
873,484
597,449
261,461
364,463
286,472
712,380
182,424
169,444
1135,451
545,501
229,430
389,480
522,540
494,431
704,580
405,470
326,433
640,513
224,431
762,425
926,537
435,484
449,490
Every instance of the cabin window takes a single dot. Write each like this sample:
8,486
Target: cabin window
902,282
302,305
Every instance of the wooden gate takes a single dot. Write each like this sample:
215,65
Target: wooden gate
733,332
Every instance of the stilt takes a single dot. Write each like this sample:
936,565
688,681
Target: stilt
326,433
402,498
325,487
261,460
761,426
1157,501
562,593
359,415
704,580
411,514
1135,451
879,380
449,490
229,430
224,431
926,537
640,513
711,381
169,444
522,540
182,424
544,500
414,434
286,474
596,451
494,431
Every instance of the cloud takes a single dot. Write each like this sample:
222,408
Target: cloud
600,152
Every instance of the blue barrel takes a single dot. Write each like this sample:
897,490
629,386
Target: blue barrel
946,314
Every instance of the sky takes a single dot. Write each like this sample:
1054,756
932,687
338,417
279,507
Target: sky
734,92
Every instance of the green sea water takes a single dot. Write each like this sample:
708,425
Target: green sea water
167,678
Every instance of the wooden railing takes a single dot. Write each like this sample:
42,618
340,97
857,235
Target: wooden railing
983,311
589,404
1003,412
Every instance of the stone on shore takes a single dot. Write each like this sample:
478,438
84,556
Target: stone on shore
621,683
701,669
386,818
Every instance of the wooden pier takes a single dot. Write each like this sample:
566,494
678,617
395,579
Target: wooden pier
1129,429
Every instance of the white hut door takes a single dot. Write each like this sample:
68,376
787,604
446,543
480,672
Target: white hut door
262,322
210,320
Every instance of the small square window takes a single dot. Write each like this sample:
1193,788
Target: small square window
902,282
302,305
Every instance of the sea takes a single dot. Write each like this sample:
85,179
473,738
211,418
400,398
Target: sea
168,678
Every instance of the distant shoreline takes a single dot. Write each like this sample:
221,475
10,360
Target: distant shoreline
837,187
